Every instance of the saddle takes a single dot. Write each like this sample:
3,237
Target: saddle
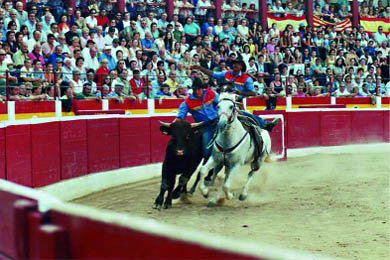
255,132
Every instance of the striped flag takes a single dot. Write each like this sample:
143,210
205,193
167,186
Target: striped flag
339,27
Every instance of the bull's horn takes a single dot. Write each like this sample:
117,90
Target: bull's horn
196,124
164,124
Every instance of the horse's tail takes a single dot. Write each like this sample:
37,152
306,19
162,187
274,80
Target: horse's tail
267,146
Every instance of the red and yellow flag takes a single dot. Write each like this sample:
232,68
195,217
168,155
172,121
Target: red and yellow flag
282,22
371,24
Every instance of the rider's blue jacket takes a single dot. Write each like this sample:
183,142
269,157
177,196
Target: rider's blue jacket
203,110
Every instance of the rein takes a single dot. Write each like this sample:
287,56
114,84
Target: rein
231,149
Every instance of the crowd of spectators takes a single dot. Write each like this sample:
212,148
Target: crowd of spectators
94,51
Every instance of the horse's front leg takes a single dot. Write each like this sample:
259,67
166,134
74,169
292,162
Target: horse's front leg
211,163
230,173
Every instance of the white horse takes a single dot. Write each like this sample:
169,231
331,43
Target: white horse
233,147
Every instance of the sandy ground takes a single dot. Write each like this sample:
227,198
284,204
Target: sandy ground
335,205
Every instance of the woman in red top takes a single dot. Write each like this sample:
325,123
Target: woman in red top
63,26
102,71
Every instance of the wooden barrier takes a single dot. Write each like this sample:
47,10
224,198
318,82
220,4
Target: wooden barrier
45,153
74,155
39,154
18,154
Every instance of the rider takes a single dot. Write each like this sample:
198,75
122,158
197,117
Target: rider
202,104
242,84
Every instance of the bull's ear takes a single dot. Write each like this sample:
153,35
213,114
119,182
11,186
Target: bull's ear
165,130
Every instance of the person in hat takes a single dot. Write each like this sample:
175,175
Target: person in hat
119,94
202,104
242,82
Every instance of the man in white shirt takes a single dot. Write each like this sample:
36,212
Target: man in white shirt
99,39
278,10
162,22
13,17
342,91
62,42
91,21
110,36
90,59
22,15
150,19
379,36
36,39
142,28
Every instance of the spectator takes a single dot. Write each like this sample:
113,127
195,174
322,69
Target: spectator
91,21
102,19
119,95
86,92
156,86
75,83
20,56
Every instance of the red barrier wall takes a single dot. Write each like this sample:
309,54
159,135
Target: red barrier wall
135,145
7,237
127,104
12,227
41,154
386,126
2,153
45,151
335,128
3,108
18,154
34,106
103,144
362,130
310,100
168,103
356,100
86,104
74,157
116,242
303,129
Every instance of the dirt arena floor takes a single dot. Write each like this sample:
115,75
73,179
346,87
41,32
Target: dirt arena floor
335,205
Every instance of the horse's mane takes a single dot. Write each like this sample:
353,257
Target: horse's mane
227,95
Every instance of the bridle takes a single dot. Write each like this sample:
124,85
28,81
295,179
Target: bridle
230,120
234,113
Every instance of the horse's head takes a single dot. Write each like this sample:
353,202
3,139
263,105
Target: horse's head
226,109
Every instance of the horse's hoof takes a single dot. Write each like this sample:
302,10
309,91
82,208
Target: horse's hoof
157,206
242,197
211,204
205,192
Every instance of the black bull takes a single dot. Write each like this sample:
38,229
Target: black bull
182,156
